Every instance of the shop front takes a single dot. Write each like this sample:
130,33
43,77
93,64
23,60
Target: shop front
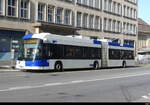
9,41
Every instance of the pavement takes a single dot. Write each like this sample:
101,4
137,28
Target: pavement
117,85
7,66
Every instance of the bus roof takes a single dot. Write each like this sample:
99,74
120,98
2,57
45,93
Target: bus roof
44,36
59,39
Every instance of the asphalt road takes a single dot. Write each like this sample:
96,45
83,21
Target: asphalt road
107,85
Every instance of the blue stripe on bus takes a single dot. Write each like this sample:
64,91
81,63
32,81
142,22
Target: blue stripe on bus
54,42
113,44
119,45
37,63
28,36
96,42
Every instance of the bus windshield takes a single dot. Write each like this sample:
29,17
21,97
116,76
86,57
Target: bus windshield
30,49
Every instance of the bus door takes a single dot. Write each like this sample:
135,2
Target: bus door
104,62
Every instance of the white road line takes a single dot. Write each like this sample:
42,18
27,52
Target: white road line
19,88
145,97
52,84
70,82
79,81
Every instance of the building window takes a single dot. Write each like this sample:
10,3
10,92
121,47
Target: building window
110,25
85,2
91,21
120,9
4,41
50,13
118,26
70,1
85,20
24,9
79,19
97,22
97,4
12,8
132,1
105,5
1,7
79,1
135,14
114,7
59,15
105,24
109,5
125,10
128,12
41,12
124,28
67,17
114,26
91,3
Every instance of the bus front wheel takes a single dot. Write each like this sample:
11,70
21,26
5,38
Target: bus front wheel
58,66
96,65
124,65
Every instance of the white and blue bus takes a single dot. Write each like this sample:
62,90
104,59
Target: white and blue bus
47,51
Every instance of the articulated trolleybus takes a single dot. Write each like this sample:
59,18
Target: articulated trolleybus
47,51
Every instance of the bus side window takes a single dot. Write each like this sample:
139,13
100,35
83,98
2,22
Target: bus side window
130,55
49,53
99,53
114,54
58,51
95,53
46,51
85,53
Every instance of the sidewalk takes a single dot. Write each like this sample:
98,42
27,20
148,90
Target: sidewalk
143,65
7,66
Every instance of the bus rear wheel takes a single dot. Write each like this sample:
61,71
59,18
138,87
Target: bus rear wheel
58,66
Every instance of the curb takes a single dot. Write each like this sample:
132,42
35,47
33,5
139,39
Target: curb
8,68
144,65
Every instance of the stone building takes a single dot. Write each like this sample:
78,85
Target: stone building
107,19
143,37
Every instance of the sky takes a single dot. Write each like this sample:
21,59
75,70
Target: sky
144,10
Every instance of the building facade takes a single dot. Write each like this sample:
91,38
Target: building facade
143,37
105,19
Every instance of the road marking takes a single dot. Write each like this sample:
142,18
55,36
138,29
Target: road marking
79,81
51,84
71,82
145,97
19,88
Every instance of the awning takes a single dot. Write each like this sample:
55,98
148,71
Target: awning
57,28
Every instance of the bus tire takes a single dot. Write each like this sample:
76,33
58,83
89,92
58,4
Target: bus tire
58,66
96,65
124,64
